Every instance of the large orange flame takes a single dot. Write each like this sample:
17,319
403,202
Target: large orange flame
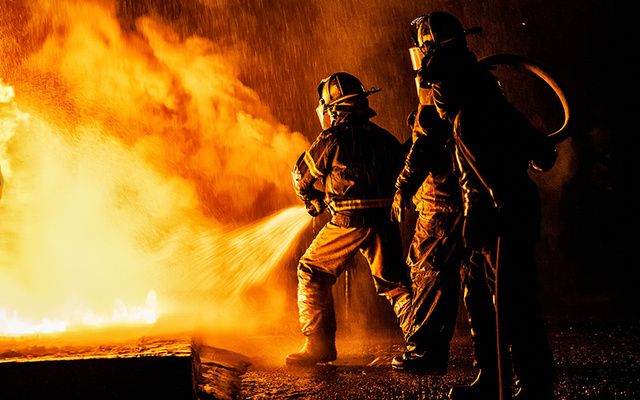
139,174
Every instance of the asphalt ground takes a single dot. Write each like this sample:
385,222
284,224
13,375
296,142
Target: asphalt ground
593,361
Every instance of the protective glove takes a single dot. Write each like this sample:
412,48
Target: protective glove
315,207
546,161
480,227
400,202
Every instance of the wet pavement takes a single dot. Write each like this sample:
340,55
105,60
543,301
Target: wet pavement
594,361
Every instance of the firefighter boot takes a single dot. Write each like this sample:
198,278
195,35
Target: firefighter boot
481,316
533,364
526,394
426,361
316,349
485,387
533,391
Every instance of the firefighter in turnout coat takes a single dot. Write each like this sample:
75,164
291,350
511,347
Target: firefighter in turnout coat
350,169
495,146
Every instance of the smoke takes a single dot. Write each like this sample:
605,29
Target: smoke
141,162
134,150
286,47
177,101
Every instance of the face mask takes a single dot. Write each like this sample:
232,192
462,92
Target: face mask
323,116
425,94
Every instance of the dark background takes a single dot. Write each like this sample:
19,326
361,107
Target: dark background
285,47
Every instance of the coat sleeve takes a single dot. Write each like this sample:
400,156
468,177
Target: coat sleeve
430,134
477,174
310,169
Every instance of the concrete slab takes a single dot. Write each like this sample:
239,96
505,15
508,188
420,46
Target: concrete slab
176,368
144,369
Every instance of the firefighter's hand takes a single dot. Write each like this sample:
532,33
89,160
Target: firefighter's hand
546,161
315,207
398,206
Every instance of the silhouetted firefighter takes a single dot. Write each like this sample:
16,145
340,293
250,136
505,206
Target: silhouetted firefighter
435,253
350,169
495,145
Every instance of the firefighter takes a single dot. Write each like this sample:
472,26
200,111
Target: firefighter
495,145
428,181
350,169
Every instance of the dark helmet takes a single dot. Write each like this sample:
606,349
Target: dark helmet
341,93
438,29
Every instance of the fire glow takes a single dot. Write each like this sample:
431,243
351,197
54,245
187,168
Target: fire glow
131,163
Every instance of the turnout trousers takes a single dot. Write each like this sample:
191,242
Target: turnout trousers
435,258
330,253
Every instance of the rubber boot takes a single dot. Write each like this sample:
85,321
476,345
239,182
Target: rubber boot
426,361
531,354
316,349
317,318
485,387
524,392
481,317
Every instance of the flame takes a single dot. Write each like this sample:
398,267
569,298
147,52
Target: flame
12,325
136,165
6,93
9,117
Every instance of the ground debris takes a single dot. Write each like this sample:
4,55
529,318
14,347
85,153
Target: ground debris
219,372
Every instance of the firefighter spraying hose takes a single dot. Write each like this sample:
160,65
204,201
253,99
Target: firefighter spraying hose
496,145
350,170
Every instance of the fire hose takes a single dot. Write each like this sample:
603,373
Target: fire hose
527,64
